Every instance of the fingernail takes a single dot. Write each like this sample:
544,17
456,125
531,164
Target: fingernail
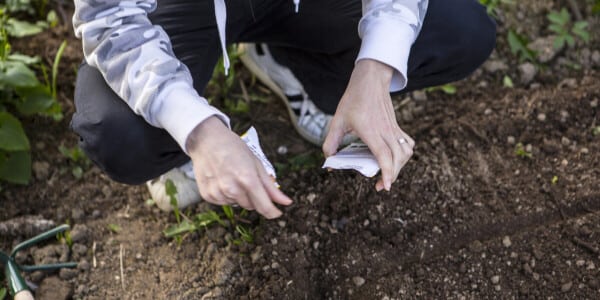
378,188
388,186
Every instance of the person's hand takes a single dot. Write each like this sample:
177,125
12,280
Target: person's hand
228,173
366,110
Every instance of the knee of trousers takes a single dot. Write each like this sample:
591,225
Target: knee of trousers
119,142
479,38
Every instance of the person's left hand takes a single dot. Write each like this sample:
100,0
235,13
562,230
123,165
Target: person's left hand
366,110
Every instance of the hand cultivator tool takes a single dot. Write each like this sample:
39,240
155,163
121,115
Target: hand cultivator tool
17,286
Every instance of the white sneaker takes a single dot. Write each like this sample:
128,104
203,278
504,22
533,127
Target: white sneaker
310,122
187,189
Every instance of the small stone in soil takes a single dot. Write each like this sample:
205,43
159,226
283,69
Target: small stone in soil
358,281
511,140
566,287
67,274
541,117
506,241
495,279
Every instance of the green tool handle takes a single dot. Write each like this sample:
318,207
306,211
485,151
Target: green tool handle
16,283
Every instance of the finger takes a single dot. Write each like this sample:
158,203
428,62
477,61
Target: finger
408,138
383,154
398,155
334,137
276,194
259,197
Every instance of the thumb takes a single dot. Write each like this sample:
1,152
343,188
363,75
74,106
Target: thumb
334,137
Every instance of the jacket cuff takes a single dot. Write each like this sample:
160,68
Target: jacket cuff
388,41
181,110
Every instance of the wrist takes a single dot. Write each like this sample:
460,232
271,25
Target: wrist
375,69
210,127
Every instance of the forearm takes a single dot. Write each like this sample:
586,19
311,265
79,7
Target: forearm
388,29
136,60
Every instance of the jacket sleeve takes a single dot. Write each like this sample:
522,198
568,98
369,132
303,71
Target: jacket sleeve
388,29
136,60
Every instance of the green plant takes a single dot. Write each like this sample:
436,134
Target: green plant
507,82
171,191
79,161
520,151
492,6
596,7
565,30
448,88
2,293
115,228
554,180
518,46
596,130
23,93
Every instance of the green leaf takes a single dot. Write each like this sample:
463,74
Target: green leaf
507,82
518,46
228,211
16,167
52,18
180,228
170,188
35,100
448,89
570,40
12,135
26,59
2,293
114,228
559,42
21,29
207,218
17,74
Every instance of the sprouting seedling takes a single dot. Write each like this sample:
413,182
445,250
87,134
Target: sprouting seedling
520,151
518,46
171,191
560,24
228,211
115,228
245,233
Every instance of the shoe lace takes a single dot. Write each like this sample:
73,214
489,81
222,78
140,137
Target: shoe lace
312,118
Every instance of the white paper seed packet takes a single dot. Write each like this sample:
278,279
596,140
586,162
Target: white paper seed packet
251,140
355,156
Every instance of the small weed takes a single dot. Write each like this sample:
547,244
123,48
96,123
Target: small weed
2,293
554,180
245,233
507,82
565,30
114,228
78,160
520,151
446,88
596,7
171,191
492,6
518,46
64,237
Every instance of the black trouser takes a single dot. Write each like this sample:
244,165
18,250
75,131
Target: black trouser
319,45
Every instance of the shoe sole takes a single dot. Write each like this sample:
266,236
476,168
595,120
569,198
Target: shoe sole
266,80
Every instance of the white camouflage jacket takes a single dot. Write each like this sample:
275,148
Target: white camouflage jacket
136,59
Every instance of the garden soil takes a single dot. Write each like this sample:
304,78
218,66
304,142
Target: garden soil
473,215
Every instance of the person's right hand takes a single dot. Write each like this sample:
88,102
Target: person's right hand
228,173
